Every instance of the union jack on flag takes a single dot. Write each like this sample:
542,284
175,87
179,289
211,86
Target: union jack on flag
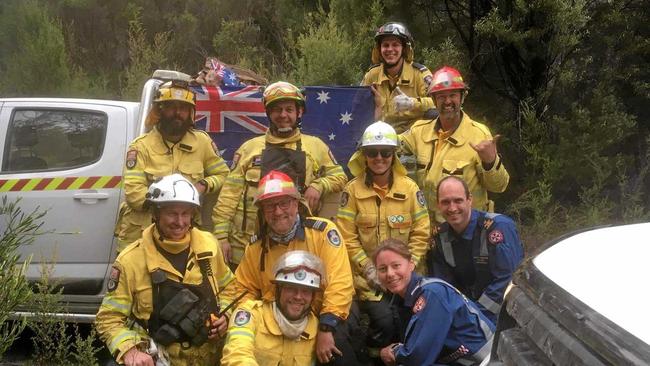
232,115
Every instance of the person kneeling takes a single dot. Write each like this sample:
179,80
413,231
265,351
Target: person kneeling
281,332
444,327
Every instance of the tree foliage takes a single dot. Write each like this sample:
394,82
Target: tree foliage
565,82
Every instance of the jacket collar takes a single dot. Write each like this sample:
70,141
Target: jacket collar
199,249
405,77
366,192
458,138
468,234
188,143
272,325
409,296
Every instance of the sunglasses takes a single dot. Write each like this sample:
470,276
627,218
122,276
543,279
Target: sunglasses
372,153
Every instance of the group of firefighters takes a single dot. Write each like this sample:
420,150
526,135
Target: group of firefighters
412,272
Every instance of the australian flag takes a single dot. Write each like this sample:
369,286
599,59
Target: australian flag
338,115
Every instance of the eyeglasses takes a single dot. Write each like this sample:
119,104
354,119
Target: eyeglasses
284,205
372,153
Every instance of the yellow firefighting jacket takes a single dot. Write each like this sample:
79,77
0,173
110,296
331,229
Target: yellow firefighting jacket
365,219
150,158
231,222
456,157
254,338
130,294
414,81
318,236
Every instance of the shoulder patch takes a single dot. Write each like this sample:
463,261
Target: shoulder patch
113,279
242,318
316,224
420,67
334,238
345,196
420,303
495,237
131,158
420,197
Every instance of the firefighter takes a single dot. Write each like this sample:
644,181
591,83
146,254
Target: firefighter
442,325
381,202
476,251
285,226
454,144
283,331
172,146
400,85
166,289
306,159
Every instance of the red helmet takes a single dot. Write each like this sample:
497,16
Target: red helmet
275,184
447,78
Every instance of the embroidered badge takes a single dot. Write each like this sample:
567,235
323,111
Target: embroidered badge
242,318
392,219
333,237
419,304
495,237
235,160
487,223
344,199
300,274
427,81
131,159
420,197
113,279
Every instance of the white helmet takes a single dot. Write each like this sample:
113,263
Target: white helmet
173,189
299,267
379,133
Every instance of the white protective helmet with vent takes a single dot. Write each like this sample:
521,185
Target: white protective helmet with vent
299,267
173,189
379,133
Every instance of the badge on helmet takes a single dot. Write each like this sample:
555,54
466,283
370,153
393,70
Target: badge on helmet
299,267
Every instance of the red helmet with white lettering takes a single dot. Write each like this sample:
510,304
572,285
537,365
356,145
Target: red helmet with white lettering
447,78
276,184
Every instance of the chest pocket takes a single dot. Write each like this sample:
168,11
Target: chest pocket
454,167
191,169
367,228
143,302
400,226
268,352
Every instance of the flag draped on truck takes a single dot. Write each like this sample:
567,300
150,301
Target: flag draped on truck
232,115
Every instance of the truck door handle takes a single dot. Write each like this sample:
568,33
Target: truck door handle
90,196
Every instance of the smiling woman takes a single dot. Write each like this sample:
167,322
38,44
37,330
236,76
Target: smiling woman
462,333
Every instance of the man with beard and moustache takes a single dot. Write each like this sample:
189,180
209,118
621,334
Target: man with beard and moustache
172,146
306,159
400,85
454,145
283,331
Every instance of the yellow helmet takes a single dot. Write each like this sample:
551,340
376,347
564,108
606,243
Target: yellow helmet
282,90
173,91
170,91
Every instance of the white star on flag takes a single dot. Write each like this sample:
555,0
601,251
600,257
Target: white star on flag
345,118
323,97
332,136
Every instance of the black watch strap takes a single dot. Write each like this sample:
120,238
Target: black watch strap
326,328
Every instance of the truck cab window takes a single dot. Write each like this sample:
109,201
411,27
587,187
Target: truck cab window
42,139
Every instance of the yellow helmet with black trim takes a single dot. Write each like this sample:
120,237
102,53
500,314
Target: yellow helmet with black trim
282,90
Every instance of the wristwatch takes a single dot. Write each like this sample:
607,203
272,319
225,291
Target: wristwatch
326,328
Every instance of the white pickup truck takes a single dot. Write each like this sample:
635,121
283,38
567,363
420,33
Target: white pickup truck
66,156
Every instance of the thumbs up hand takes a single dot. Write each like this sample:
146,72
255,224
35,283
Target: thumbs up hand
402,102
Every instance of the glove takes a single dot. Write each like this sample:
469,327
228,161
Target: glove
402,102
370,274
